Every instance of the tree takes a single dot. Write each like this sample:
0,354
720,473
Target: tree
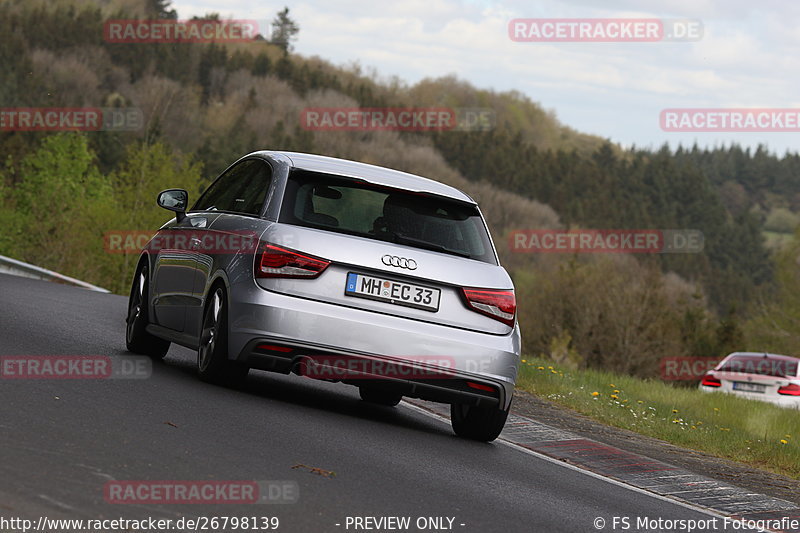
161,9
60,203
146,170
284,30
261,65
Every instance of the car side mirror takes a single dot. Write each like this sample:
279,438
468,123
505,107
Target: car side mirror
176,200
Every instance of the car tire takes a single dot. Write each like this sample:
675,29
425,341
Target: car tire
477,423
137,339
213,365
379,397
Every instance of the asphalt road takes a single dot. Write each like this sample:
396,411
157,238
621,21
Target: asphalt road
62,440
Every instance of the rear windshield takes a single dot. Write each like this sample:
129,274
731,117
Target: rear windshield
353,207
765,366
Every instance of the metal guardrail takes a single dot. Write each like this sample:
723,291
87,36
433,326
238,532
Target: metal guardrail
25,270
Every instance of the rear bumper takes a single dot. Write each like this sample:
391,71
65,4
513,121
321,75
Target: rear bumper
780,400
428,360
406,377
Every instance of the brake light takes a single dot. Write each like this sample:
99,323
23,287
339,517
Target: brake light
272,348
277,262
480,386
710,381
498,304
790,390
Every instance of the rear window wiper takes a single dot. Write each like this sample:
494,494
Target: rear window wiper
399,238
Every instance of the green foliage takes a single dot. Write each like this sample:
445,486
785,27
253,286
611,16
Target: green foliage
775,324
146,171
640,190
261,65
217,154
781,220
60,208
616,314
56,196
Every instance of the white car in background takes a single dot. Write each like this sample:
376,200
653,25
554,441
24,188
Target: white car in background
759,376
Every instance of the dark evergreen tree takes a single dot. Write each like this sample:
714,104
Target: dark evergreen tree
284,30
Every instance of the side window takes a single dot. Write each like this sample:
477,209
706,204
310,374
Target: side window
242,189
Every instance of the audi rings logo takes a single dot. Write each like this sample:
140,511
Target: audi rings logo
401,262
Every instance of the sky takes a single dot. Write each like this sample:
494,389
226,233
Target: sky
748,57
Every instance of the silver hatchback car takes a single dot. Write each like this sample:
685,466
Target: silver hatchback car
334,270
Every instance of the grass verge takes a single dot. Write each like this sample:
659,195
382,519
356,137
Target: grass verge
748,431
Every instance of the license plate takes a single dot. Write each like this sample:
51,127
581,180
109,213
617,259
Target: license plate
393,292
749,387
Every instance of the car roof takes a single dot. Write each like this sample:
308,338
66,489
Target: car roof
370,173
763,354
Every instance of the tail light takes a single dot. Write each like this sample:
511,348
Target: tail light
277,262
480,386
710,381
274,348
790,390
498,304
